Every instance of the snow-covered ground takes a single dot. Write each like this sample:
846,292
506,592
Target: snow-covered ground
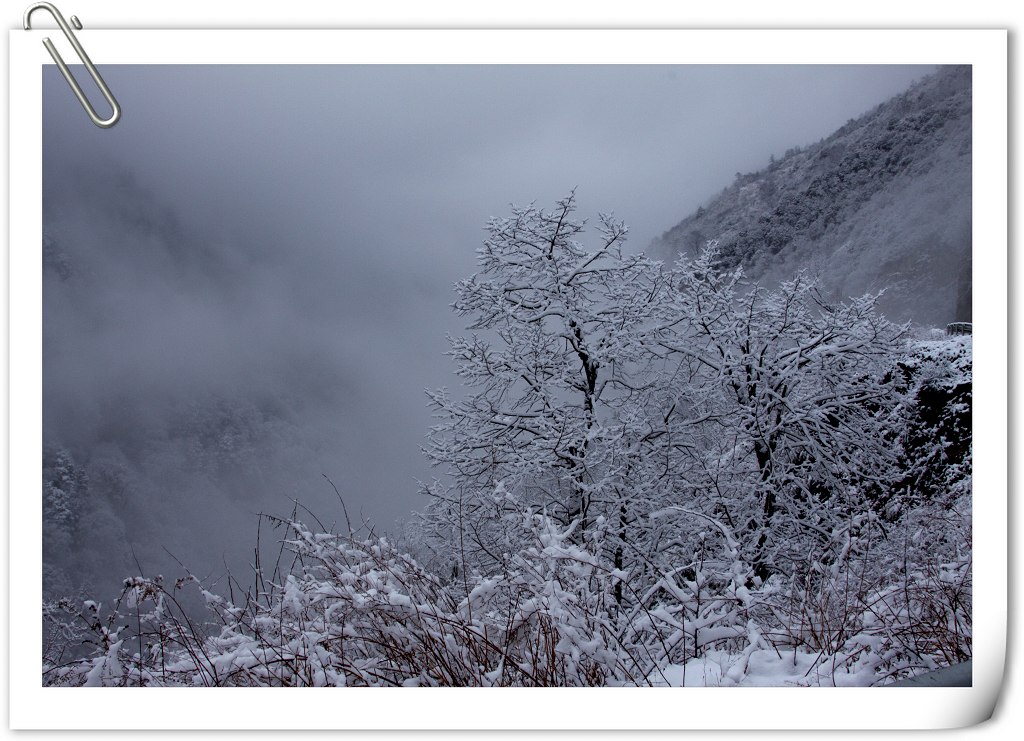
765,668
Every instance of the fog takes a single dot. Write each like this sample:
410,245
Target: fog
247,280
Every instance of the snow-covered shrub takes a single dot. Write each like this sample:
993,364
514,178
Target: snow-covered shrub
359,612
936,458
700,603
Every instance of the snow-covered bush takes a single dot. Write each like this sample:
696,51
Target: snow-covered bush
359,612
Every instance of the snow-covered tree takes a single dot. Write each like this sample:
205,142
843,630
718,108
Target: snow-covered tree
796,402
558,383
602,387
65,485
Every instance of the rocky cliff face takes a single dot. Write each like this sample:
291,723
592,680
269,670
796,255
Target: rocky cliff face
883,203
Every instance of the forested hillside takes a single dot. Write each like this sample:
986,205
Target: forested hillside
882,203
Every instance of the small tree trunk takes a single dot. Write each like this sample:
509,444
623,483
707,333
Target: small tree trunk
764,463
619,559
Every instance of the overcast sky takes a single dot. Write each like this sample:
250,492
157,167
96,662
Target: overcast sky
287,237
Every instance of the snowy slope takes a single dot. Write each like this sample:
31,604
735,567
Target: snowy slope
882,203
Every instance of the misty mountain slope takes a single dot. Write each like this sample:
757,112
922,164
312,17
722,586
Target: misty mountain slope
882,203
175,405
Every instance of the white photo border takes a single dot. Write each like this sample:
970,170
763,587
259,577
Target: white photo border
35,707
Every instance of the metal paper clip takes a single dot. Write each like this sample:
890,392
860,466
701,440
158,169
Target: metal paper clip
101,122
